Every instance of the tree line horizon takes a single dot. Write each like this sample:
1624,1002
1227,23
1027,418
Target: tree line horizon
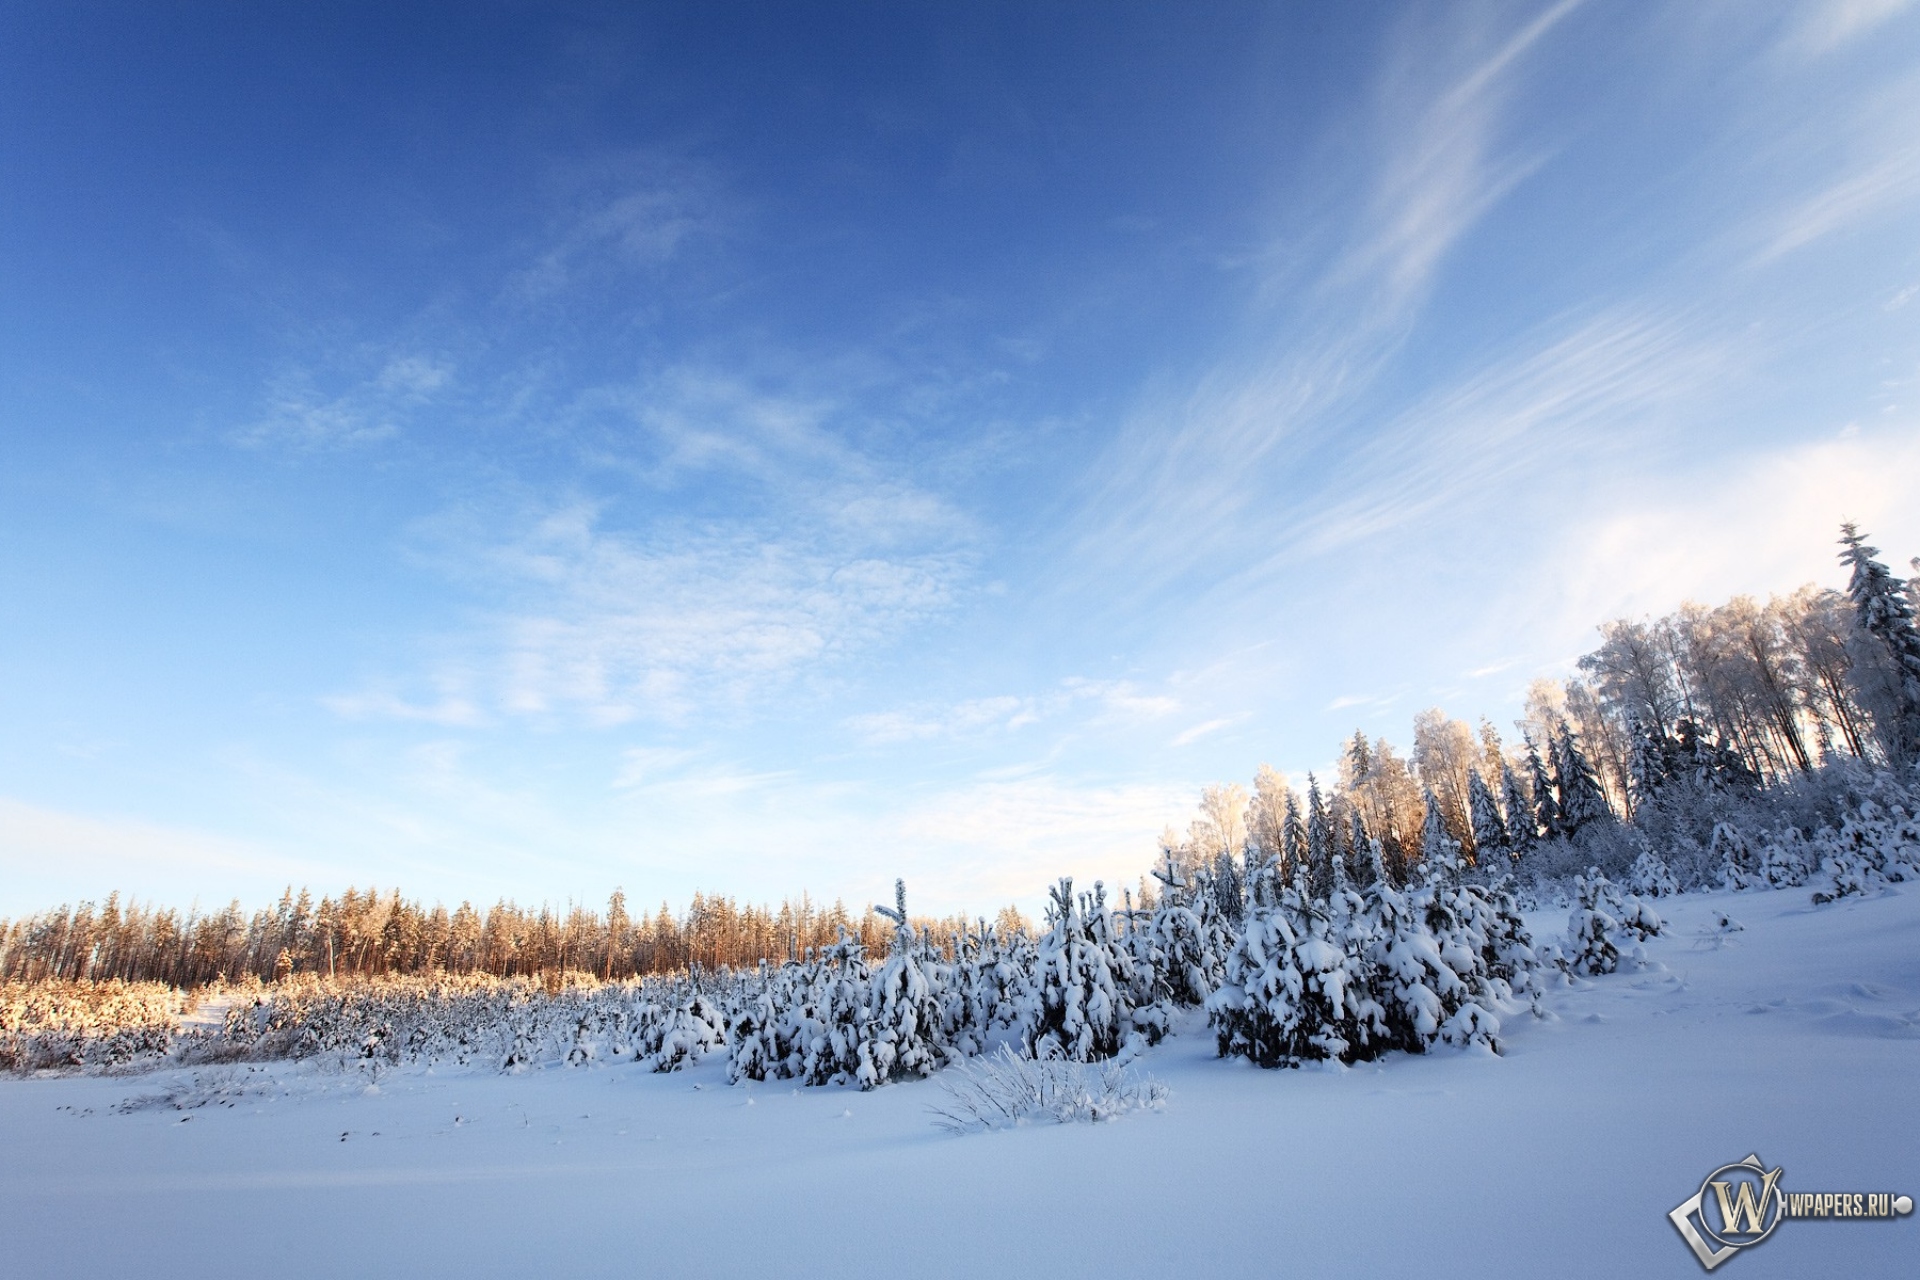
1698,707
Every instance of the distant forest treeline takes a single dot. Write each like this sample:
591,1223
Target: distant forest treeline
375,934
1671,725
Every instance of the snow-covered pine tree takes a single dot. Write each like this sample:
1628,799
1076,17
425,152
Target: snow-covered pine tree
1292,994
751,1021
1439,852
1784,858
1648,762
904,1020
1360,867
1882,611
840,1011
1490,846
1738,865
1582,799
1184,951
1319,842
1638,918
1521,828
1079,1008
692,1029
1413,986
1591,948
1650,876
1293,838
1546,808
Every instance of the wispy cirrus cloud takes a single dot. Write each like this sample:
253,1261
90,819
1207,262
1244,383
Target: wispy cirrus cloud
620,626
1090,702
299,415
635,211
1190,479
1823,26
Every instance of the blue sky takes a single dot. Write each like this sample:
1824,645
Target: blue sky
528,449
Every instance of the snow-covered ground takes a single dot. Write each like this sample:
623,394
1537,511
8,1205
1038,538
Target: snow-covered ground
1797,1038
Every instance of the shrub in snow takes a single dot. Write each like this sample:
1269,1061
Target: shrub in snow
1007,1089
1183,947
1785,860
92,1026
1591,948
1739,865
1080,1006
903,1026
835,1025
1291,994
693,1029
1651,877
1641,920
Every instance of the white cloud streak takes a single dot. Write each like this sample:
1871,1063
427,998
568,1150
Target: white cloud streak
299,417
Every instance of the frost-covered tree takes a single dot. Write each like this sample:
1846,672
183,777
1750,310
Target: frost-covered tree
1293,837
1320,848
1582,800
1081,1010
1185,952
903,1033
1738,864
1490,846
1522,830
1292,993
1591,946
1546,807
1883,612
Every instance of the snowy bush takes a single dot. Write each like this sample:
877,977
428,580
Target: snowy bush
1006,1089
95,1026
1651,877
1081,1004
903,1031
1591,947
1739,865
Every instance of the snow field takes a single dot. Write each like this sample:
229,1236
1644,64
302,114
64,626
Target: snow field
1797,1036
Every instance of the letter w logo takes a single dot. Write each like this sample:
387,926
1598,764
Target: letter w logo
1744,1205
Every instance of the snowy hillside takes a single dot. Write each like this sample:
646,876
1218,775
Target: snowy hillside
1797,1037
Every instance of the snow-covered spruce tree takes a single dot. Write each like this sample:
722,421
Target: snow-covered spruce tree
1292,994
1582,799
1651,877
838,1004
1360,868
1293,838
968,1007
693,1028
1464,925
1439,852
1320,849
1079,1008
1546,808
1406,967
1521,831
1739,866
1638,918
1881,611
1183,950
1512,959
1785,860
1591,948
751,1029
903,1022
1490,845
